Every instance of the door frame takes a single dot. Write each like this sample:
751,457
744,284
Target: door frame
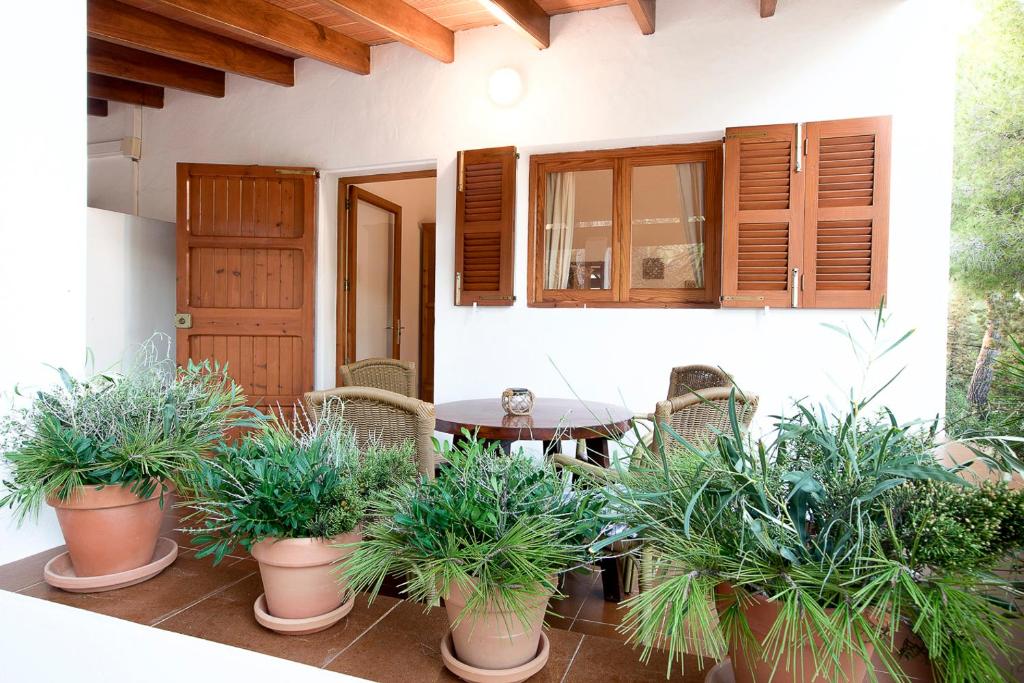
428,267
341,350
357,194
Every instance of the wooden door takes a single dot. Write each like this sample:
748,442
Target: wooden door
360,263
428,249
246,252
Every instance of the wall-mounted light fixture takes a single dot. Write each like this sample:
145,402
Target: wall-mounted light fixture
505,86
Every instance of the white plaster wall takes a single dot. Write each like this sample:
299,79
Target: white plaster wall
129,284
42,224
111,185
417,197
711,64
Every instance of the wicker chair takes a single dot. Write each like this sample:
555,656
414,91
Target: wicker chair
699,417
689,378
390,418
389,374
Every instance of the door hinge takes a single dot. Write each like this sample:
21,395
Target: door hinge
458,289
346,284
183,321
496,298
348,203
796,288
462,172
742,298
799,147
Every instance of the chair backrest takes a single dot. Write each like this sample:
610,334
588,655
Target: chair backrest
385,417
689,378
389,374
700,416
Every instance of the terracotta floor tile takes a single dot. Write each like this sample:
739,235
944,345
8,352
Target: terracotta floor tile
404,646
178,586
596,609
596,628
602,660
26,571
227,618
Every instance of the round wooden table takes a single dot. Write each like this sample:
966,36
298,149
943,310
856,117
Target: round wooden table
552,420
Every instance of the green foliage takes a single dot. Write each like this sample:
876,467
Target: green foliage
838,516
498,527
307,479
137,429
988,206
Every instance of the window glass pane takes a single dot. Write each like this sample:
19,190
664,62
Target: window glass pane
578,230
667,243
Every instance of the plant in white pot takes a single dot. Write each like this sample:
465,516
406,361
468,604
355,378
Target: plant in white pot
489,535
295,496
105,451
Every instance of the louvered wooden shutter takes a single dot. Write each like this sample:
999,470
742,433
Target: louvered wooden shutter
485,227
847,213
762,230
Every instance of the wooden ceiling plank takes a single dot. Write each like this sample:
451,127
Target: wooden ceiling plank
119,90
117,23
768,8
96,107
109,59
277,28
643,12
524,15
404,22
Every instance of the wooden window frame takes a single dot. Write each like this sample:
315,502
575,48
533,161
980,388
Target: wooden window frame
622,162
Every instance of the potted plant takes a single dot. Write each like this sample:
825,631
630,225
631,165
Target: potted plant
802,555
104,451
294,495
489,535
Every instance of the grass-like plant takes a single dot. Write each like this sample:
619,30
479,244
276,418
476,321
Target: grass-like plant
137,428
302,479
847,521
500,528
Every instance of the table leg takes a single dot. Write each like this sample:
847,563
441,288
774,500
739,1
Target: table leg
597,450
611,581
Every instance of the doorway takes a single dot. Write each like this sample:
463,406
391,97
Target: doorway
386,282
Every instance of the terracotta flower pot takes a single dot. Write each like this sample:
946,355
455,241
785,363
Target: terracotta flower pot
794,666
911,655
298,575
494,638
109,529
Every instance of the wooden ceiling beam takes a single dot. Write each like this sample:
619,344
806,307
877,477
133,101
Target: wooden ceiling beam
643,12
109,59
403,22
526,16
270,26
96,107
117,23
768,8
129,92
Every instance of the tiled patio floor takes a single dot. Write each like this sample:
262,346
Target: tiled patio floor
390,640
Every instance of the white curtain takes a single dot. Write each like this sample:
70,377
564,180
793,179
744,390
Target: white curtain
559,220
691,198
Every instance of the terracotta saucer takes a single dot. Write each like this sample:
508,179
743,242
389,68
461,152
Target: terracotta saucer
513,675
59,573
721,673
300,627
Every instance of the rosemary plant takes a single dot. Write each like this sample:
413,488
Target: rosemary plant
307,478
501,528
847,522
139,428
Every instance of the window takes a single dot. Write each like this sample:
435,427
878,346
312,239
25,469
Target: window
628,227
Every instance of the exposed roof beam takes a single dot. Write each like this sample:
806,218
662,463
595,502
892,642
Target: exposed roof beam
262,22
119,90
134,65
117,23
526,16
768,8
96,107
404,22
643,12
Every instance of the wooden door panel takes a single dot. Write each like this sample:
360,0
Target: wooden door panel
246,258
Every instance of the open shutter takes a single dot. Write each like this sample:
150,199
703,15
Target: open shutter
762,230
485,227
847,214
